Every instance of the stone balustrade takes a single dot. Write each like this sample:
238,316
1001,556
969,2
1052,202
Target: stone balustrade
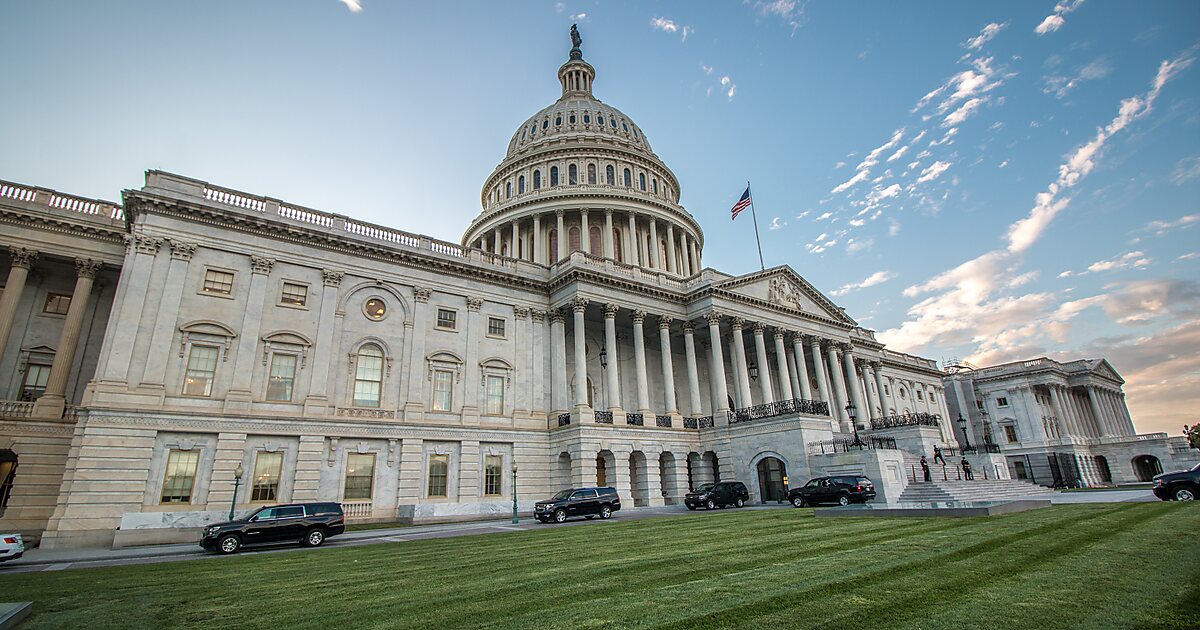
32,195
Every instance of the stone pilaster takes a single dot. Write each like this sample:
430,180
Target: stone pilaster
558,361
167,318
239,396
578,308
128,310
414,407
471,376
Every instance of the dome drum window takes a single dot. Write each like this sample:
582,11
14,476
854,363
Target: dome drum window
545,124
375,309
537,180
553,176
587,119
557,121
572,174
572,119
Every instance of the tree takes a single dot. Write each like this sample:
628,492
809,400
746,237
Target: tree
1193,435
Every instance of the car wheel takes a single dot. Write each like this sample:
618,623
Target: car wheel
560,516
1185,494
843,500
798,502
314,537
740,502
692,508
229,544
710,505
605,513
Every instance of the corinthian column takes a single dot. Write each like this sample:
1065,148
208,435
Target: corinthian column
607,237
877,370
672,264
639,362
822,383
689,346
801,367
561,237
785,380
538,254
668,370
839,385
610,341
53,400
739,350
22,261
716,370
855,387
558,361
579,305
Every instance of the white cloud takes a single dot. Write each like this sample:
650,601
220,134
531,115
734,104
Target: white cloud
1055,20
1186,169
1060,86
579,17
898,154
706,69
853,246
858,177
1003,164
732,90
933,171
985,35
790,11
355,6
823,216
893,227
776,224
840,164
559,7
964,111
1189,256
803,214
879,277
663,24
1162,228
1128,260
687,30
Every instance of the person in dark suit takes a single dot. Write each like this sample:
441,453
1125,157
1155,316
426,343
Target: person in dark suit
937,455
966,466
925,467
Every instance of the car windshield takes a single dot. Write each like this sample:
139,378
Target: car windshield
705,487
562,495
813,484
1196,468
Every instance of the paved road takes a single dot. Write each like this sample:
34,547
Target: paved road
65,559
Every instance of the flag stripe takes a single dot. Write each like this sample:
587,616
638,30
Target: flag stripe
741,204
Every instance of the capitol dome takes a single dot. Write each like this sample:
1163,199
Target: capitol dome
580,175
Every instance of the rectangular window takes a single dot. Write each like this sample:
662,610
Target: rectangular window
294,294
180,476
447,319
360,475
885,391
368,377
36,377
218,282
281,377
920,396
493,470
1010,432
201,370
439,467
443,390
265,485
57,304
495,395
1002,402
495,327
979,404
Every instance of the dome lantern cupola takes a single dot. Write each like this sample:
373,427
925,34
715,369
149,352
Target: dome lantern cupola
576,75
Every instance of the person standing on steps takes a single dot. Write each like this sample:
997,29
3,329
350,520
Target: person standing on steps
925,467
966,467
937,455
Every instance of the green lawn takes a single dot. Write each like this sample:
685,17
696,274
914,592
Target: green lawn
1088,566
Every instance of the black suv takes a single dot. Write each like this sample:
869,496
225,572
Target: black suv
843,490
1180,485
586,502
717,495
307,523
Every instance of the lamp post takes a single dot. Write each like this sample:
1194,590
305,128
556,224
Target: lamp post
962,424
853,414
785,489
237,481
603,358
514,477
752,369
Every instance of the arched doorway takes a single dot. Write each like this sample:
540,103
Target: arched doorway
8,472
712,467
1105,471
1146,466
637,479
562,474
770,479
605,472
668,473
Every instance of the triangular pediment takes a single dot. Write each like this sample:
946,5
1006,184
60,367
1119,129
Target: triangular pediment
782,286
1103,368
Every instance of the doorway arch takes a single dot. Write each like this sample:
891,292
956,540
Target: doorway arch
1146,466
771,471
8,473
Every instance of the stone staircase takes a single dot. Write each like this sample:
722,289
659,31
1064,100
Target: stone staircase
977,490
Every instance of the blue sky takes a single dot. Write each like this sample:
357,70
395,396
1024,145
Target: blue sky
983,181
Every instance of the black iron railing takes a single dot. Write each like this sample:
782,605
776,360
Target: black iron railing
698,422
779,408
604,417
636,419
564,419
907,420
990,448
691,423
662,421
845,445
706,422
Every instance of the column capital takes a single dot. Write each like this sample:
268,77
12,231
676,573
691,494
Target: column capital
559,212
181,250
473,303
845,347
583,211
333,278
758,328
521,312
638,316
538,315
737,322
578,304
421,294
610,310
557,316
689,327
714,318
780,333
261,264
23,257
664,321
87,268
143,244
608,212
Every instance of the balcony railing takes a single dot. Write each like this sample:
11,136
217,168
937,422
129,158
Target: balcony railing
846,445
635,419
907,420
662,421
779,408
564,419
15,409
604,417
358,509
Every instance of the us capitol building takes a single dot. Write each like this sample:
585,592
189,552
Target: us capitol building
195,347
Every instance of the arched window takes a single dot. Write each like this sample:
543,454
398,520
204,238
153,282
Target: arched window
545,124
617,253
608,175
612,121
594,240
553,245
662,253
591,173
537,180
572,119
508,190
553,176
368,376
573,239
625,127
642,181
557,120
572,174
532,129
654,186
587,119
521,185
628,179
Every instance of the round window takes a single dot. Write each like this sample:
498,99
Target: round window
375,309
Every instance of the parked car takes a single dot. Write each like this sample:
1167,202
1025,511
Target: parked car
586,502
12,546
1179,485
717,495
307,523
841,489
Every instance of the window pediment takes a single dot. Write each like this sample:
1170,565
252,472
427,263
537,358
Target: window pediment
206,331
444,360
286,341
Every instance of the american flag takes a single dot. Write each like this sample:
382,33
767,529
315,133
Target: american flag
741,204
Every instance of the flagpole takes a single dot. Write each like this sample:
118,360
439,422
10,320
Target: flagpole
754,216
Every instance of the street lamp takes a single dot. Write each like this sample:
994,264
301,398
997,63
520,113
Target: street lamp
603,358
962,424
753,370
237,481
785,489
514,477
853,414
